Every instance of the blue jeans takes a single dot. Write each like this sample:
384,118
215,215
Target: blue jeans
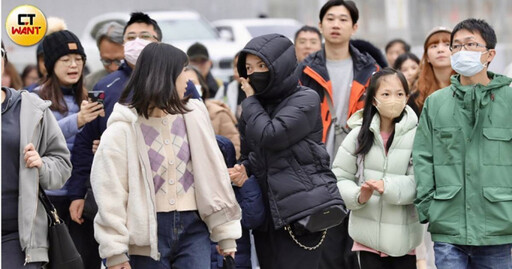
449,256
183,242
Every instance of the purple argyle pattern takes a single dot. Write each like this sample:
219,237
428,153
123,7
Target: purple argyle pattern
155,158
181,146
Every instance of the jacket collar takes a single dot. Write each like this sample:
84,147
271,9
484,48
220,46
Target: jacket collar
318,61
483,94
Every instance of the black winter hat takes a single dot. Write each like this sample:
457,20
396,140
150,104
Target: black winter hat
198,51
59,44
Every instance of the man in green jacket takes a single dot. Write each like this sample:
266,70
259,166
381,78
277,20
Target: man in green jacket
463,157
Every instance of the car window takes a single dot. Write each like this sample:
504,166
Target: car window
191,29
226,32
286,30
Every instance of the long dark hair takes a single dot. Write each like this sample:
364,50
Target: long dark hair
153,81
365,137
51,90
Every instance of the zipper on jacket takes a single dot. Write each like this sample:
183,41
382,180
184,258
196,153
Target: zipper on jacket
27,259
29,243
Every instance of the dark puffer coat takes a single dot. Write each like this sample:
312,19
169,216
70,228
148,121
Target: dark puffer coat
281,133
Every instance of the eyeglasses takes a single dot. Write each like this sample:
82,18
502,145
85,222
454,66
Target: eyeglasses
68,61
107,62
3,53
142,35
473,46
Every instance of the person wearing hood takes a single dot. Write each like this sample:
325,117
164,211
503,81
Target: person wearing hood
281,145
375,175
463,157
34,154
158,175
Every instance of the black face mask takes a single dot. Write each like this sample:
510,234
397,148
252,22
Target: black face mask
259,81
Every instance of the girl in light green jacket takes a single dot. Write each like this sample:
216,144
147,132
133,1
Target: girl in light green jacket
375,175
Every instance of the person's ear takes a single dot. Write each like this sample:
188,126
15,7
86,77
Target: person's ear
320,27
354,28
491,54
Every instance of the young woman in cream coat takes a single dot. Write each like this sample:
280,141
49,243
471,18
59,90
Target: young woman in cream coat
158,176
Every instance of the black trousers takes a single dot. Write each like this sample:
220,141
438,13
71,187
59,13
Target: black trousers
337,249
374,261
277,250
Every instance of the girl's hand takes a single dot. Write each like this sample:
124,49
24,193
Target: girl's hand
238,175
224,254
366,193
377,185
246,87
95,145
31,156
76,208
89,111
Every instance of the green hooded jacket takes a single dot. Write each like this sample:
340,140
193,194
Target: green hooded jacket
463,163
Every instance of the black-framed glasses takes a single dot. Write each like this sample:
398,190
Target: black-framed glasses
472,46
3,53
107,62
142,35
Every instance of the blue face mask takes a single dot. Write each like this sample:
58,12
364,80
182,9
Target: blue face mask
467,63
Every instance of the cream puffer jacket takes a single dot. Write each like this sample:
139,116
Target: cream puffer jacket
388,222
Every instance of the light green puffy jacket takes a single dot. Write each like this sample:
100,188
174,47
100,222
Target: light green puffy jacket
388,222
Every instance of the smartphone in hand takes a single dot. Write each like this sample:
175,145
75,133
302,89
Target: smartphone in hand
96,96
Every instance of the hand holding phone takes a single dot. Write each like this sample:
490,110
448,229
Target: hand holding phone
96,96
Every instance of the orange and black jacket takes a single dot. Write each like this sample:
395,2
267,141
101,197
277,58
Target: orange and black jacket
313,74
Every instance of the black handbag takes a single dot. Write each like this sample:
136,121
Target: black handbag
317,222
229,263
90,206
322,220
62,252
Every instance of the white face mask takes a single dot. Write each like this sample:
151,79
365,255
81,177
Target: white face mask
132,49
390,108
467,63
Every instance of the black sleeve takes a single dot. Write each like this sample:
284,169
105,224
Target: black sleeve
291,123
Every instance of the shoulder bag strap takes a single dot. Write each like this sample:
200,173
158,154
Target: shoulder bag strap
51,211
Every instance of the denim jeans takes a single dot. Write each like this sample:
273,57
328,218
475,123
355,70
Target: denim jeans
449,256
183,242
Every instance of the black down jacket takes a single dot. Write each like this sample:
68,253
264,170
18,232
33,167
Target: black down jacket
281,135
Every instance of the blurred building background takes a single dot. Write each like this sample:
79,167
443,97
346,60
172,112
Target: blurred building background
380,20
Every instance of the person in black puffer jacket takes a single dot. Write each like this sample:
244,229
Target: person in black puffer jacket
281,145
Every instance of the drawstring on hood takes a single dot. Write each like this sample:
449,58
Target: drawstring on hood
277,52
478,95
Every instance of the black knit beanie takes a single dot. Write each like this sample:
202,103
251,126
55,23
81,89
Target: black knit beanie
59,44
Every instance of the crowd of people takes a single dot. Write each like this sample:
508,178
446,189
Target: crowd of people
320,153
